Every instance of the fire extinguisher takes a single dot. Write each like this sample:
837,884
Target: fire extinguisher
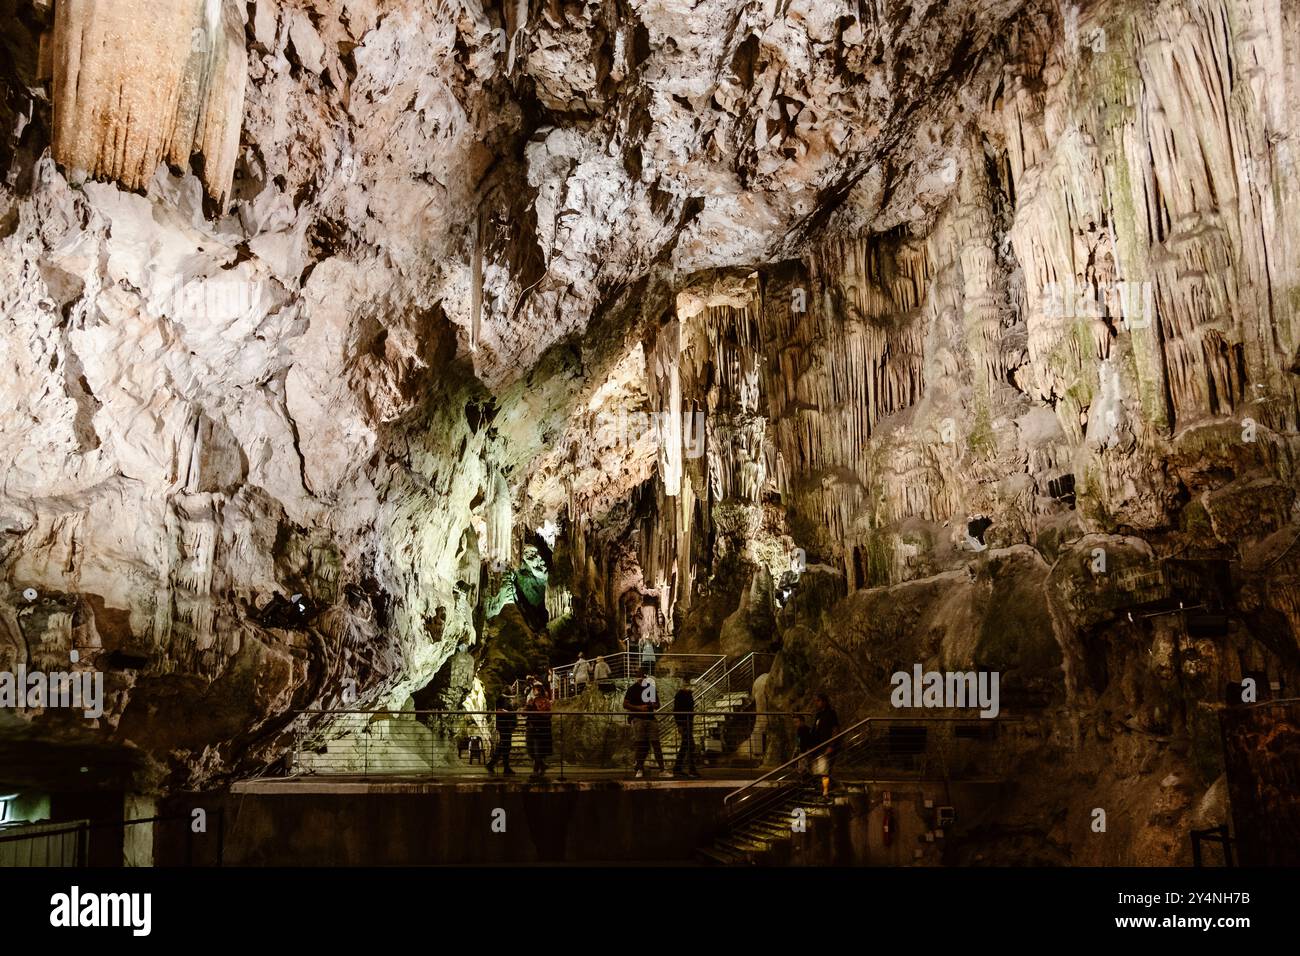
887,825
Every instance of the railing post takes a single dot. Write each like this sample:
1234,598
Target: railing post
561,749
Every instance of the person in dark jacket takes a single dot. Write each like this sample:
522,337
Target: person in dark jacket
826,725
507,721
537,732
641,700
684,716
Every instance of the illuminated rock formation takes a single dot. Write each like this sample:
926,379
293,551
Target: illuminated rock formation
317,312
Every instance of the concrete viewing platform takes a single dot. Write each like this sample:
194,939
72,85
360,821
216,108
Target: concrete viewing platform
473,782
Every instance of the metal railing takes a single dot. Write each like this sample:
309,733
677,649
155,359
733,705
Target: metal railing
739,678
69,843
712,691
892,747
625,666
1220,835
433,743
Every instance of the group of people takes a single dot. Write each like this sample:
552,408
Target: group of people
641,701
537,729
586,673
816,741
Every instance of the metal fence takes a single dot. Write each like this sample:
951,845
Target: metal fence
934,748
626,666
450,743
163,840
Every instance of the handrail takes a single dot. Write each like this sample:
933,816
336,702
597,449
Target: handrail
783,770
624,665
719,665
554,713
795,760
703,693
432,742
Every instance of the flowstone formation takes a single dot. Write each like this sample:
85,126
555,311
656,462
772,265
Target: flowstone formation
348,338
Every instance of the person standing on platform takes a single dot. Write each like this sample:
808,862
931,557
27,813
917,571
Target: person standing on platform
604,682
537,733
684,716
641,700
507,720
581,675
648,655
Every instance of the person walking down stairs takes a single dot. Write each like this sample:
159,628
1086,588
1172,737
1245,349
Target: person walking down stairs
641,700
826,724
581,675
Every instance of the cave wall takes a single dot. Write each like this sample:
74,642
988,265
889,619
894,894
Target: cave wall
345,299
1088,350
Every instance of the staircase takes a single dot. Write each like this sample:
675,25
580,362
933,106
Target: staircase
759,818
766,838
719,692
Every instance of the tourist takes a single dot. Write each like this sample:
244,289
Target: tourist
602,674
641,700
648,656
581,674
684,716
537,732
506,720
826,725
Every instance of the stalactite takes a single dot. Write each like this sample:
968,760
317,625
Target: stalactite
180,94
476,282
500,521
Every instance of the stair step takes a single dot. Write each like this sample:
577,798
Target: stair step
765,834
721,857
738,844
